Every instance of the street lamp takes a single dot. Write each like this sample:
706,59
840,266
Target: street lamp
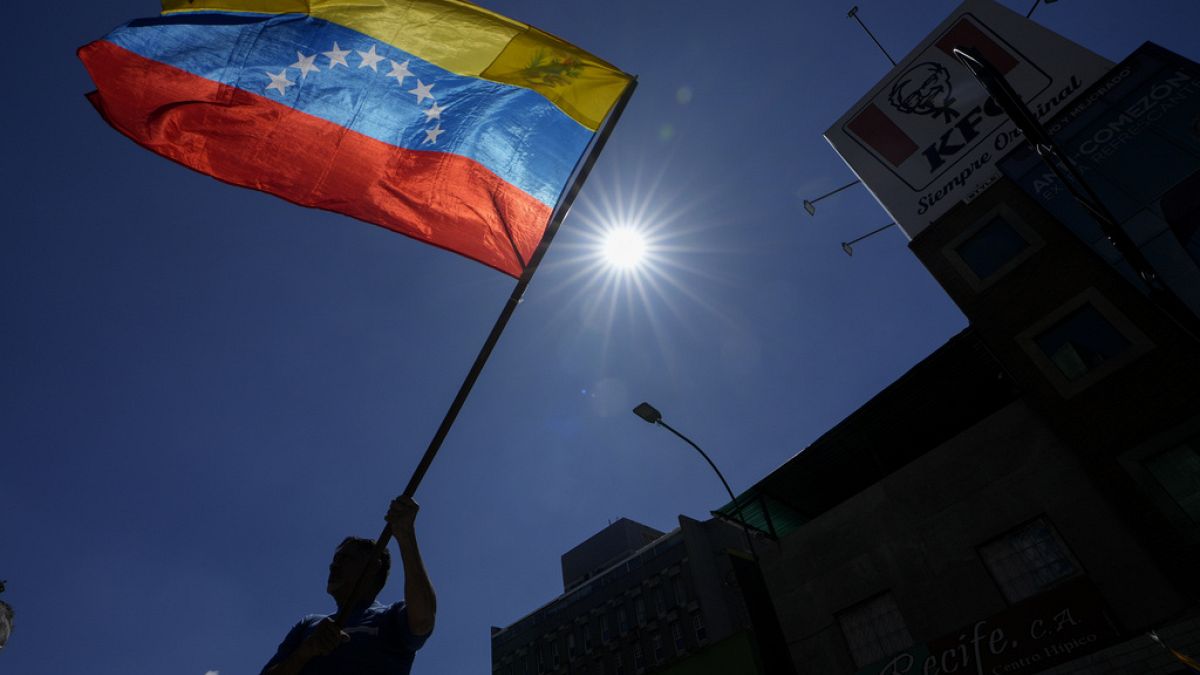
649,413
810,205
848,246
763,618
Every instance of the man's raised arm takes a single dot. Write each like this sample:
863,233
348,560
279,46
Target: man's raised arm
418,591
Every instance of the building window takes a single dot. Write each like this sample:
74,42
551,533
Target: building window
1028,560
618,665
698,626
639,610
660,606
658,648
1178,472
874,629
587,638
677,636
571,646
992,247
1081,342
622,621
639,662
680,592
605,630
541,663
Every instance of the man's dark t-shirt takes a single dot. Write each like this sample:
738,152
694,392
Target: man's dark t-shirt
380,643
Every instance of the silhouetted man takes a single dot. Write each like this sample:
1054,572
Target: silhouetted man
377,639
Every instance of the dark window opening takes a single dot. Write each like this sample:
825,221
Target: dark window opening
991,248
1081,342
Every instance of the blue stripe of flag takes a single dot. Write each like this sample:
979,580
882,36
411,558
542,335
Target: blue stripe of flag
514,132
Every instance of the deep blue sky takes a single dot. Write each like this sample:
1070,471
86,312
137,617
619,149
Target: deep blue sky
205,388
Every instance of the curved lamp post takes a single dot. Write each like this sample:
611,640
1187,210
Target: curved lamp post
772,645
649,413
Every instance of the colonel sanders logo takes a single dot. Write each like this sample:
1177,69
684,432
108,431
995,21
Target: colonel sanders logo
924,90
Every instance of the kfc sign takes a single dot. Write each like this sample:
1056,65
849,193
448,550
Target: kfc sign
928,136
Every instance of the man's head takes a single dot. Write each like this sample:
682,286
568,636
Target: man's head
349,560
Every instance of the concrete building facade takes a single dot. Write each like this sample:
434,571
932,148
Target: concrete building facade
1025,500
667,606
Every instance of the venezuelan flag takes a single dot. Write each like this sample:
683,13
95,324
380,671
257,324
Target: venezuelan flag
433,118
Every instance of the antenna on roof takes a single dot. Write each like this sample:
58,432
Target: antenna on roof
853,14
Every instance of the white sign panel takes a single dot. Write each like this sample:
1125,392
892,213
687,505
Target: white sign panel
928,137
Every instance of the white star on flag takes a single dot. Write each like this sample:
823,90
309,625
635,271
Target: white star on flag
305,64
434,112
279,82
431,135
337,55
399,71
422,92
370,59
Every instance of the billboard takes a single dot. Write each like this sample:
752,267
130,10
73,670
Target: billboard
928,136
1135,138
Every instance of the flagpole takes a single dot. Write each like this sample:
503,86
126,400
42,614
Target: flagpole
583,168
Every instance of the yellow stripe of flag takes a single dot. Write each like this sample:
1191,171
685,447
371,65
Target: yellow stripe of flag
464,39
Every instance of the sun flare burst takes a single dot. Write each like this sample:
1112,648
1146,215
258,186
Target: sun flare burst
624,247
631,260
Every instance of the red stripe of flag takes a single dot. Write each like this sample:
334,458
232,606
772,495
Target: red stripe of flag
966,34
878,130
245,139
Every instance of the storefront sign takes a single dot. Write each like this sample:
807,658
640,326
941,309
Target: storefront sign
928,136
1135,138
1054,627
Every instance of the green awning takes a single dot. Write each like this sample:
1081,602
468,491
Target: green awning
763,513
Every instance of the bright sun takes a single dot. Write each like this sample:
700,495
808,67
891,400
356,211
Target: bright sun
624,248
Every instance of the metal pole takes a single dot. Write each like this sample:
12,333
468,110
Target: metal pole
830,194
810,204
736,505
583,168
772,644
853,14
847,246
